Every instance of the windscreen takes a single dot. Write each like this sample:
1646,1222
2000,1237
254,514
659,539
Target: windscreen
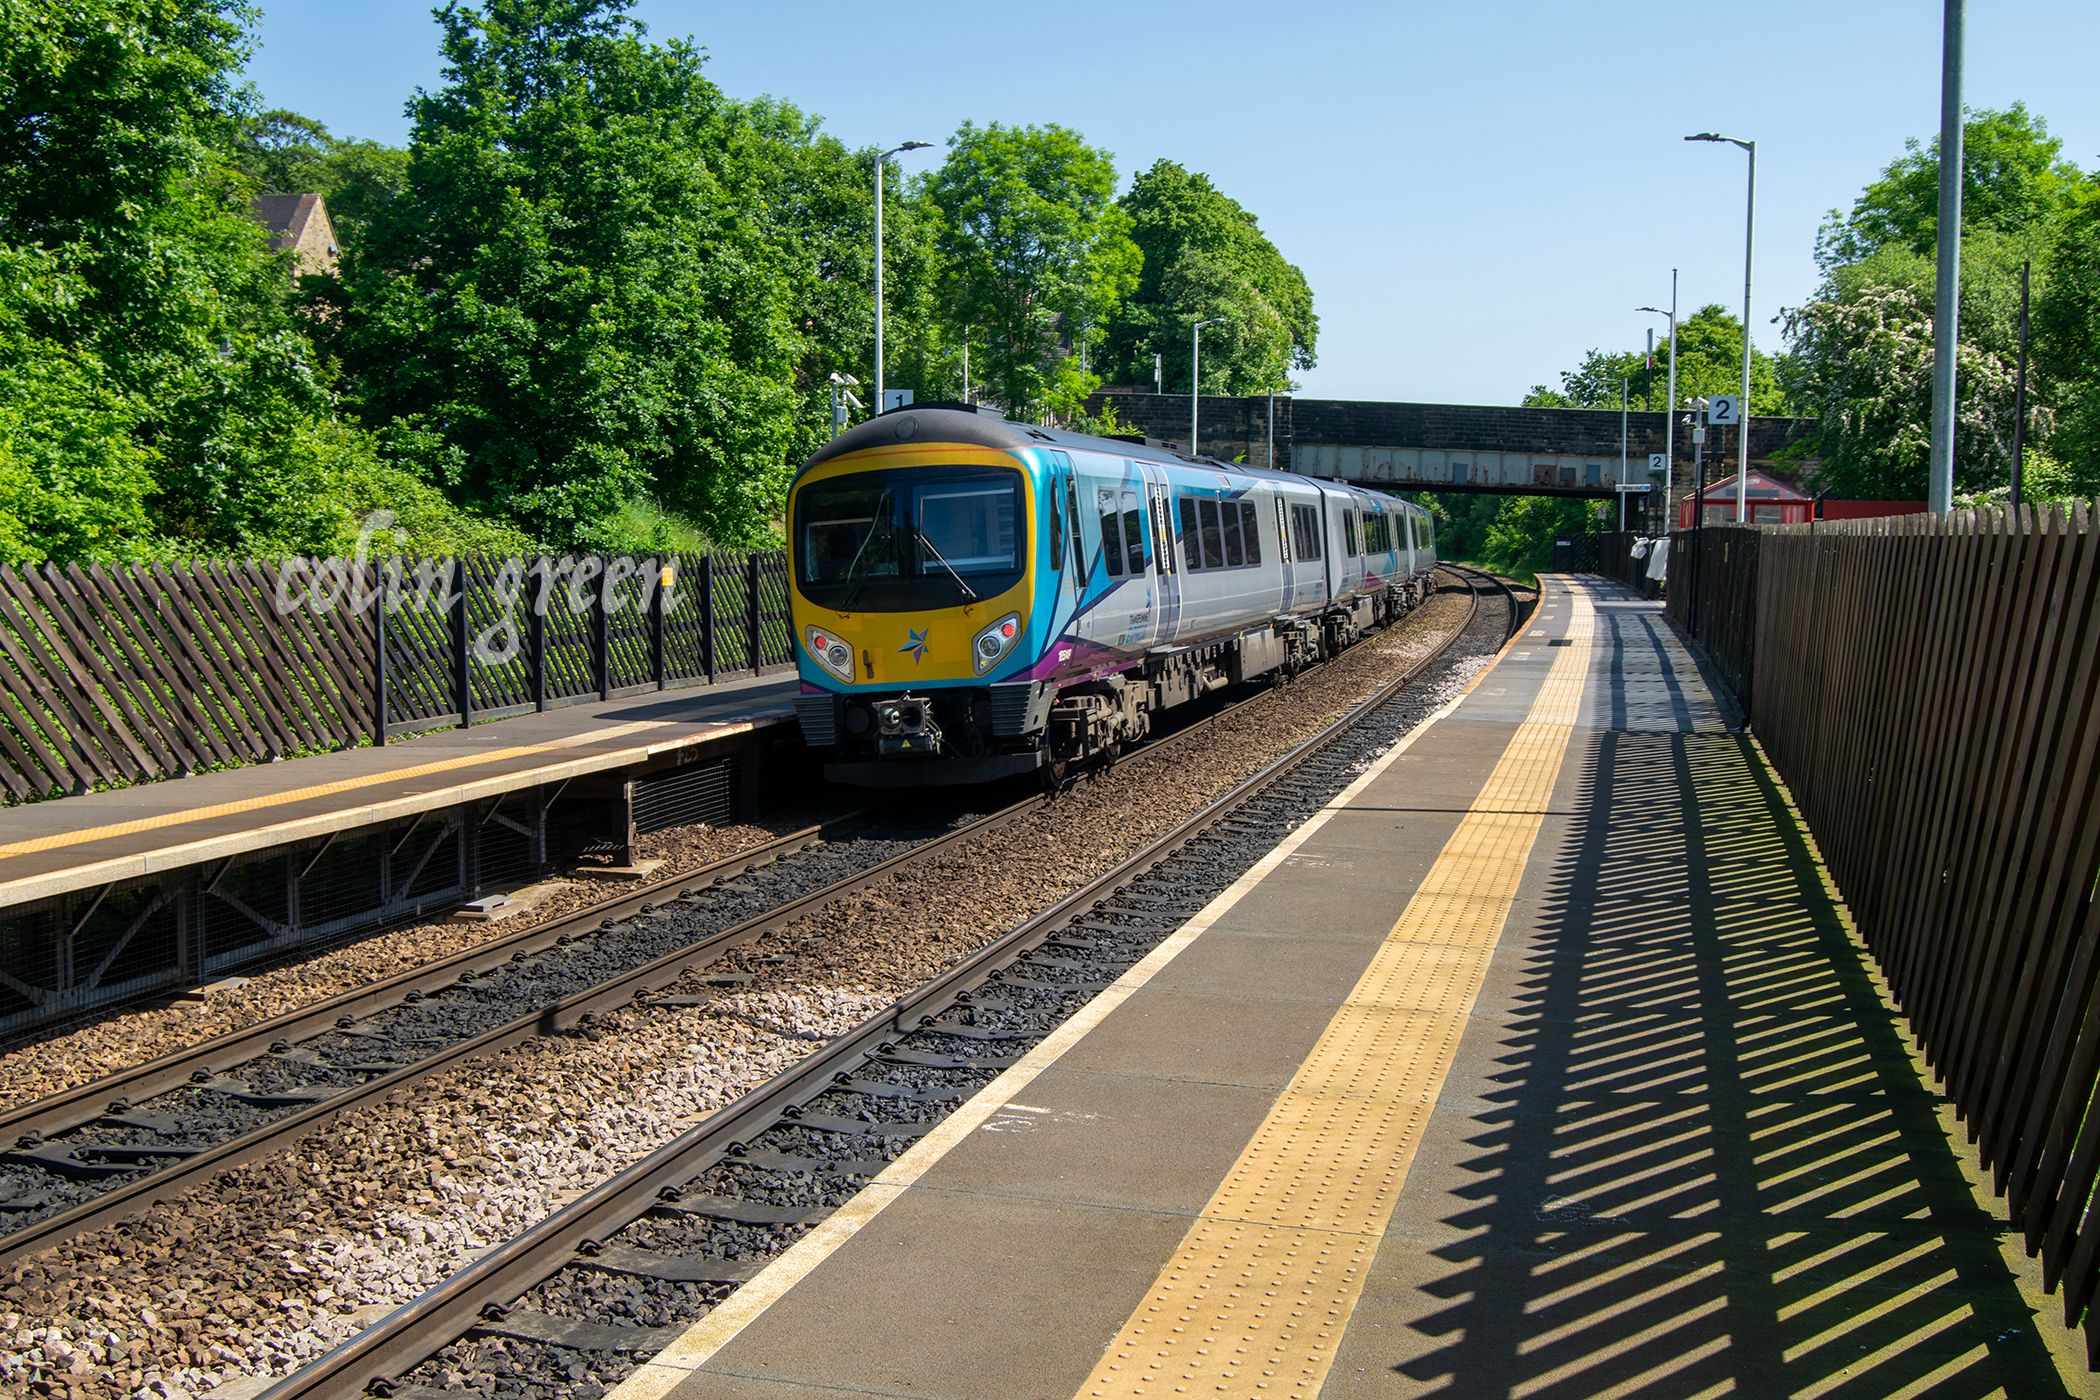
914,538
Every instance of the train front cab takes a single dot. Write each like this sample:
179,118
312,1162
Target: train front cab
913,574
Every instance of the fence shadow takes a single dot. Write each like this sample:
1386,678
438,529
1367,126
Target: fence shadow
1705,1164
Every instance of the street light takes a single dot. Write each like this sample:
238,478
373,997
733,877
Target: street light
1670,418
1742,428
1195,375
880,161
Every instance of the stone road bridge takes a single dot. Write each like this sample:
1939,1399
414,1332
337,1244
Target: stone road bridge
1443,447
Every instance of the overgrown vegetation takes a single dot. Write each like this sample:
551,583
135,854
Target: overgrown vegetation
595,302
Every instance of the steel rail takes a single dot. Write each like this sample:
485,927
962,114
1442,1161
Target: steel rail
372,1360
72,1108
75,1107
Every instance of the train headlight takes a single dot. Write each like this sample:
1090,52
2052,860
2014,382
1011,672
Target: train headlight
832,653
995,641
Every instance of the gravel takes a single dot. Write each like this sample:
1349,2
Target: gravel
271,1263
133,1036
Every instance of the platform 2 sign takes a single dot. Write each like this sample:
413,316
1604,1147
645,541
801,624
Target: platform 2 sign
1724,410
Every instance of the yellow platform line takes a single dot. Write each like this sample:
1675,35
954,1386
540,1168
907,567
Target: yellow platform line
1256,1298
187,815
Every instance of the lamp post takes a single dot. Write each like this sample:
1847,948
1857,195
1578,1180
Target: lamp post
880,162
1946,287
1742,429
1195,374
1624,384
1669,418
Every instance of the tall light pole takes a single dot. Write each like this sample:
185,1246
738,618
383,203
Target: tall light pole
1742,427
1195,374
1946,312
1670,418
881,161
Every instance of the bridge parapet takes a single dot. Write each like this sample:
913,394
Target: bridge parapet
1444,447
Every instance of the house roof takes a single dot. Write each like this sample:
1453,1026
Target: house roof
286,217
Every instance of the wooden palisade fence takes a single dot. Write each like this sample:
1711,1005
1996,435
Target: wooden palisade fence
123,674
1930,690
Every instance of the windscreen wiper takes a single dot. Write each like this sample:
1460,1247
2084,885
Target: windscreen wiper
967,591
877,519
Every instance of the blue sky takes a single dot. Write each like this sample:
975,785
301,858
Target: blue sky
1478,193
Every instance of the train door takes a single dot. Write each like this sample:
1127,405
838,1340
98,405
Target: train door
1166,564
1112,523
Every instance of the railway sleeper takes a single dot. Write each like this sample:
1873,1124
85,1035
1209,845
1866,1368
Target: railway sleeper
890,1089
573,1333
706,1206
669,1268
796,1164
855,1127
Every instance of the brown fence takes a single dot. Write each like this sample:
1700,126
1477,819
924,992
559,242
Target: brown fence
1930,690
125,674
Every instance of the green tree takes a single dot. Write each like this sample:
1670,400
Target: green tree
1862,348
156,392
1035,257
2067,346
582,297
1205,256
1709,361
2013,179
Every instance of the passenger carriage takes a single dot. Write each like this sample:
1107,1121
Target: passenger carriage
975,598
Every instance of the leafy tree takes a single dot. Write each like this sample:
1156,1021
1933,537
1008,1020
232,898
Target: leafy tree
1035,257
1863,356
2013,179
1709,361
582,297
1862,349
2067,346
1205,256
156,392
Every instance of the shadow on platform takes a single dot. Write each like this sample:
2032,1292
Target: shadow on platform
1702,1162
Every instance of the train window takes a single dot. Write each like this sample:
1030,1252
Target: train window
1057,532
1352,543
1234,556
1191,549
1133,533
1283,532
1111,535
1162,533
1305,528
1381,534
1250,530
1213,535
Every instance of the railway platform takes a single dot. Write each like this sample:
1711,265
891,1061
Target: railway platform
1541,1062
96,839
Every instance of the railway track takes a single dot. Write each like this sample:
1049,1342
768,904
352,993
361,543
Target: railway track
614,1276
96,1154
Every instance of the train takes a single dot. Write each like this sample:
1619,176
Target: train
974,598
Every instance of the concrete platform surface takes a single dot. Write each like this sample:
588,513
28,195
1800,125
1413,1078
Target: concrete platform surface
72,843
1541,1063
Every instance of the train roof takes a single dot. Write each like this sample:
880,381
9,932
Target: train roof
986,427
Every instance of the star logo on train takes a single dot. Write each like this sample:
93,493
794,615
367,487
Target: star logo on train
915,643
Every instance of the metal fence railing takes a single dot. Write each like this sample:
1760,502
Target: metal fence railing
1929,688
123,674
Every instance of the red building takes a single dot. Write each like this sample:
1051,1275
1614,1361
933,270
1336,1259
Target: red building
1773,502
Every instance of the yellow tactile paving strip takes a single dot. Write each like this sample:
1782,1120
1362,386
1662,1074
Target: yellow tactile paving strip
1255,1299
